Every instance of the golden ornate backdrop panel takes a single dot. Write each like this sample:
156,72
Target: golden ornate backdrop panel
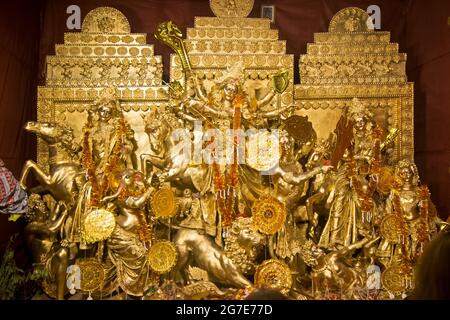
103,55
353,60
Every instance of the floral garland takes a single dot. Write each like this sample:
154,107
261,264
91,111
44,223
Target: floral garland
424,230
227,186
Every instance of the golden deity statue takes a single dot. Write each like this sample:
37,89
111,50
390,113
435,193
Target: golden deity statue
230,177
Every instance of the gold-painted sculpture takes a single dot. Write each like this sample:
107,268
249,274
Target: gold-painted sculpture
138,215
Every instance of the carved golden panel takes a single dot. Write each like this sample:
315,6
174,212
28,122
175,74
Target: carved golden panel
104,54
353,61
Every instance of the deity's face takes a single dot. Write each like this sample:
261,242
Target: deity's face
360,122
407,174
105,112
230,91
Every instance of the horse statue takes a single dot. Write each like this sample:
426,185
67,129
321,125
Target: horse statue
168,139
63,169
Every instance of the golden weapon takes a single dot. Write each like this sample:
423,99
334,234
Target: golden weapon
170,34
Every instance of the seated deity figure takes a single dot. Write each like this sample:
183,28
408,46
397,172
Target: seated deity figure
410,218
353,208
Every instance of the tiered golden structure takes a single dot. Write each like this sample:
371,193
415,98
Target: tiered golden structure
218,43
104,55
104,105
352,60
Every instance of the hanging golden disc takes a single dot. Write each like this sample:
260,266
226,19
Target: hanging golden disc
98,225
231,8
268,214
162,256
391,228
163,203
92,274
274,274
263,151
395,278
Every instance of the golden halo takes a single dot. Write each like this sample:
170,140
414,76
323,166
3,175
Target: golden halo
391,228
98,225
163,203
92,274
268,215
162,256
274,274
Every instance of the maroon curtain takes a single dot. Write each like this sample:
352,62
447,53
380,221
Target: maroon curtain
421,29
19,39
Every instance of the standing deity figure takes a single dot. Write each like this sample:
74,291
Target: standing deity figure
107,132
410,218
108,148
353,207
289,181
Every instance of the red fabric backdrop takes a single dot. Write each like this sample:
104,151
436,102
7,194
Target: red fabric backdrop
30,29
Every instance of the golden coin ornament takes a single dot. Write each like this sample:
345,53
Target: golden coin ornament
391,228
263,151
162,256
274,274
163,203
231,8
268,215
397,278
98,225
92,274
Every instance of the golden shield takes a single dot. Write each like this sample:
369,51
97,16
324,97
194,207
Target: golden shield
163,203
162,256
92,274
396,278
98,225
392,228
268,215
274,274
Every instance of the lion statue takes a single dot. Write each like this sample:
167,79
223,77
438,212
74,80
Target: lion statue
225,266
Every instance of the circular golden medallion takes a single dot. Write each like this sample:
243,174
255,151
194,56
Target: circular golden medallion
98,225
268,214
397,278
163,203
263,151
92,274
162,256
231,8
391,228
274,274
